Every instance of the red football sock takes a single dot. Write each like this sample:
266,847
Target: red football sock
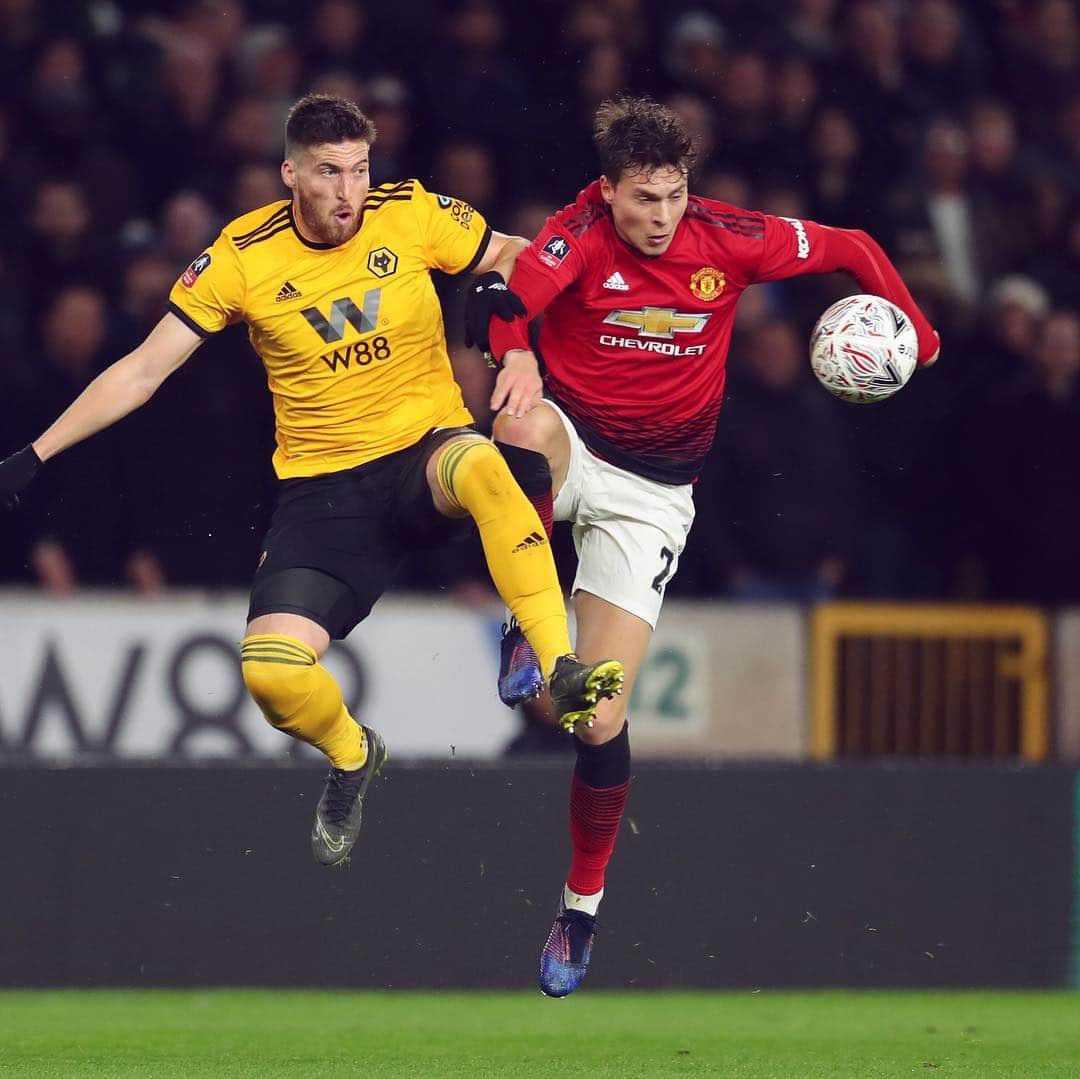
533,474
598,791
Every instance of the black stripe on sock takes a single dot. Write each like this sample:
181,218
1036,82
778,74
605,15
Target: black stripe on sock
607,765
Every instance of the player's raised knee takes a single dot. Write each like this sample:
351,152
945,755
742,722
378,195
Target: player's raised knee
534,430
608,722
279,673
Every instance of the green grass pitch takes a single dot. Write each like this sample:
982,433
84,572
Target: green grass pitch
302,1034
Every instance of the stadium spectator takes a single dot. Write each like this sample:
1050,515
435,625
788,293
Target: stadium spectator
937,218
796,99
188,223
74,527
1018,474
1042,63
943,66
337,37
254,185
391,111
776,502
61,246
810,25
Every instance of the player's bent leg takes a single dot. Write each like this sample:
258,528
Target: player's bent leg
534,441
299,696
470,474
542,431
598,792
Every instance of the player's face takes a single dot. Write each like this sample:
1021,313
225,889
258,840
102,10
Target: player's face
329,185
647,206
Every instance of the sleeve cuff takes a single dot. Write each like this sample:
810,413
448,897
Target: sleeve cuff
480,251
188,321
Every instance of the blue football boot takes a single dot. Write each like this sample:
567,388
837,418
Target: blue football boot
520,677
566,954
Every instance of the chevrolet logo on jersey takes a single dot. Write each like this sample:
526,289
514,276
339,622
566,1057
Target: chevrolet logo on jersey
663,322
343,311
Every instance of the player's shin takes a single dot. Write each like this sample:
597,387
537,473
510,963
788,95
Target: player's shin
598,791
300,697
474,475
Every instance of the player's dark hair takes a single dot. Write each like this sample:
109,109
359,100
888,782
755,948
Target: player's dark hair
637,133
319,118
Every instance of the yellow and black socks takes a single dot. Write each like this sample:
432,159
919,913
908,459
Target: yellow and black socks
474,476
300,697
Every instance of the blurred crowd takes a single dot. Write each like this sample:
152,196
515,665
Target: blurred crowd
131,132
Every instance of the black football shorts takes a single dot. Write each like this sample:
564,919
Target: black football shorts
337,541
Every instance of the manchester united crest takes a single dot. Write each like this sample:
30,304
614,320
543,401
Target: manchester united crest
707,283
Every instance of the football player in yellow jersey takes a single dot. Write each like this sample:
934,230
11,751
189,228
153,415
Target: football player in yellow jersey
374,454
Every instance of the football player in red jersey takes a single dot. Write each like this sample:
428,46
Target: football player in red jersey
638,281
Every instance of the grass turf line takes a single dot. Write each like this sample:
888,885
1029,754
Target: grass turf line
794,1035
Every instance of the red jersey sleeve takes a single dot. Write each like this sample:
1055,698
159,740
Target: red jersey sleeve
792,247
548,266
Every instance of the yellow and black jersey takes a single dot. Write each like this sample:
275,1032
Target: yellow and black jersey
351,335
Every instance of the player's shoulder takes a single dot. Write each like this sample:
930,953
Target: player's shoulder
728,220
580,218
253,228
392,193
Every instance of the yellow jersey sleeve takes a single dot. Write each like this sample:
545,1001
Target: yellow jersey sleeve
455,235
210,293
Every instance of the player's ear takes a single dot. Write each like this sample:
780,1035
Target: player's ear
288,174
607,189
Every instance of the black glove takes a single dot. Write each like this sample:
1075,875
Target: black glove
16,472
488,295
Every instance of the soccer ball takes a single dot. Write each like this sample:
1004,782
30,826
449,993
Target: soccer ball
863,349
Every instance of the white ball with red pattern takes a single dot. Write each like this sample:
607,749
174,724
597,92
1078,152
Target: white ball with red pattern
863,349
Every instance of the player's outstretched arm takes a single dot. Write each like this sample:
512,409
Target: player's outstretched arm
118,390
793,247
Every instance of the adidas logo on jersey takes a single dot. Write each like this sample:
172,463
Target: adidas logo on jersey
288,292
533,539
616,282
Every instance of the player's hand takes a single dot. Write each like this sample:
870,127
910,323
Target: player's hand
16,473
932,358
518,386
488,296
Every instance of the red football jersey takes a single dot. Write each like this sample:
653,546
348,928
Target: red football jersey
635,346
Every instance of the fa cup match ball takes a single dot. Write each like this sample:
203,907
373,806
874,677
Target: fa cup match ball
863,349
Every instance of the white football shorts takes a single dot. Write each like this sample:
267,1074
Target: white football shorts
628,531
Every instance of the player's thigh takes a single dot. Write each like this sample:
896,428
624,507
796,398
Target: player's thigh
541,429
629,533
331,551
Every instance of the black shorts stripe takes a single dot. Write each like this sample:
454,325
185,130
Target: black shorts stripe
276,217
286,224
188,321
